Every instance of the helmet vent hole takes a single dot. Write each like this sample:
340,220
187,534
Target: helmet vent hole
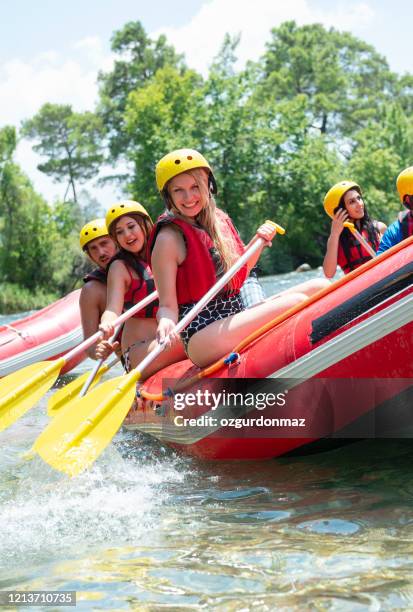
95,229
177,161
122,205
189,157
86,233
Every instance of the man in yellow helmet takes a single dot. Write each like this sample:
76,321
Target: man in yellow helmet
403,227
100,248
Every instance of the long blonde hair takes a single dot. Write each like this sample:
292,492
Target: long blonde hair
224,241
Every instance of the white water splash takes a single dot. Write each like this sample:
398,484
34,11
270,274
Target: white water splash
48,516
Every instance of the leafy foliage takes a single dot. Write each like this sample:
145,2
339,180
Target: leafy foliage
71,142
138,60
319,106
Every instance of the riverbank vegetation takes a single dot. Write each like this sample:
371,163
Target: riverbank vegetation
319,106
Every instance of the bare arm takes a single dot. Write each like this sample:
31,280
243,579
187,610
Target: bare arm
265,231
255,257
117,285
168,253
330,259
92,303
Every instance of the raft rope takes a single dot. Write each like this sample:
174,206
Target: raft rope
22,334
258,333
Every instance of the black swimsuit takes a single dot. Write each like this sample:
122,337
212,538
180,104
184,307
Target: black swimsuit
218,308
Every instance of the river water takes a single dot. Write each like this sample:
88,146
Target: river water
147,529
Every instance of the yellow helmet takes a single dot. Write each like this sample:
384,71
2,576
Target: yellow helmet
94,229
124,208
179,161
334,195
405,182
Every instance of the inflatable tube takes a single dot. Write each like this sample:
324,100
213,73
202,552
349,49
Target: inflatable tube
337,361
46,334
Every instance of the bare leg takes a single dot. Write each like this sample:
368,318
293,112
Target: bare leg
307,287
220,337
310,287
170,355
139,337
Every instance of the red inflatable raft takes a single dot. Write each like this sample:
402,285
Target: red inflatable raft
46,334
333,365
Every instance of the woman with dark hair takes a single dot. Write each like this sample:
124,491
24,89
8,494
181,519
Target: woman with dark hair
344,203
129,281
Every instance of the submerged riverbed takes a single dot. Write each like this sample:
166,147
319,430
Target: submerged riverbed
146,529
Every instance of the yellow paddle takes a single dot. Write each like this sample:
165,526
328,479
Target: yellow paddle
81,385
80,432
21,390
360,238
74,389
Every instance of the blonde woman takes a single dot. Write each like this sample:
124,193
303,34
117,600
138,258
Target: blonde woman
192,245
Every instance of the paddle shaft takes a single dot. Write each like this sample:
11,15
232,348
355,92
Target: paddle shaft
98,365
361,239
255,246
93,373
121,319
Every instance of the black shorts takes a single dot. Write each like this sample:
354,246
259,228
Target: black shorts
217,309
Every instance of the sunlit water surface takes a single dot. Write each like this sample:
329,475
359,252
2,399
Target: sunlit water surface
146,529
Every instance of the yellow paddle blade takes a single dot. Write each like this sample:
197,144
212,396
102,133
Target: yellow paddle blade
70,392
80,432
21,390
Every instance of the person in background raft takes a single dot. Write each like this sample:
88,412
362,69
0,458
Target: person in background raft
191,246
130,281
403,227
98,245
344,202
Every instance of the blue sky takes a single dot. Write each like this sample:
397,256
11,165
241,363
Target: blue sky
28,27
52,50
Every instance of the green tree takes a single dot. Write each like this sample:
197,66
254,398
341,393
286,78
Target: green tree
138,59
382,149
71,141
229,128
258,145
38,243
344,78
160,117
26,222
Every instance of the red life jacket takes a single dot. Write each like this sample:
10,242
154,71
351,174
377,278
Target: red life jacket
197,273
139,288
97,274
357,253
406,223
